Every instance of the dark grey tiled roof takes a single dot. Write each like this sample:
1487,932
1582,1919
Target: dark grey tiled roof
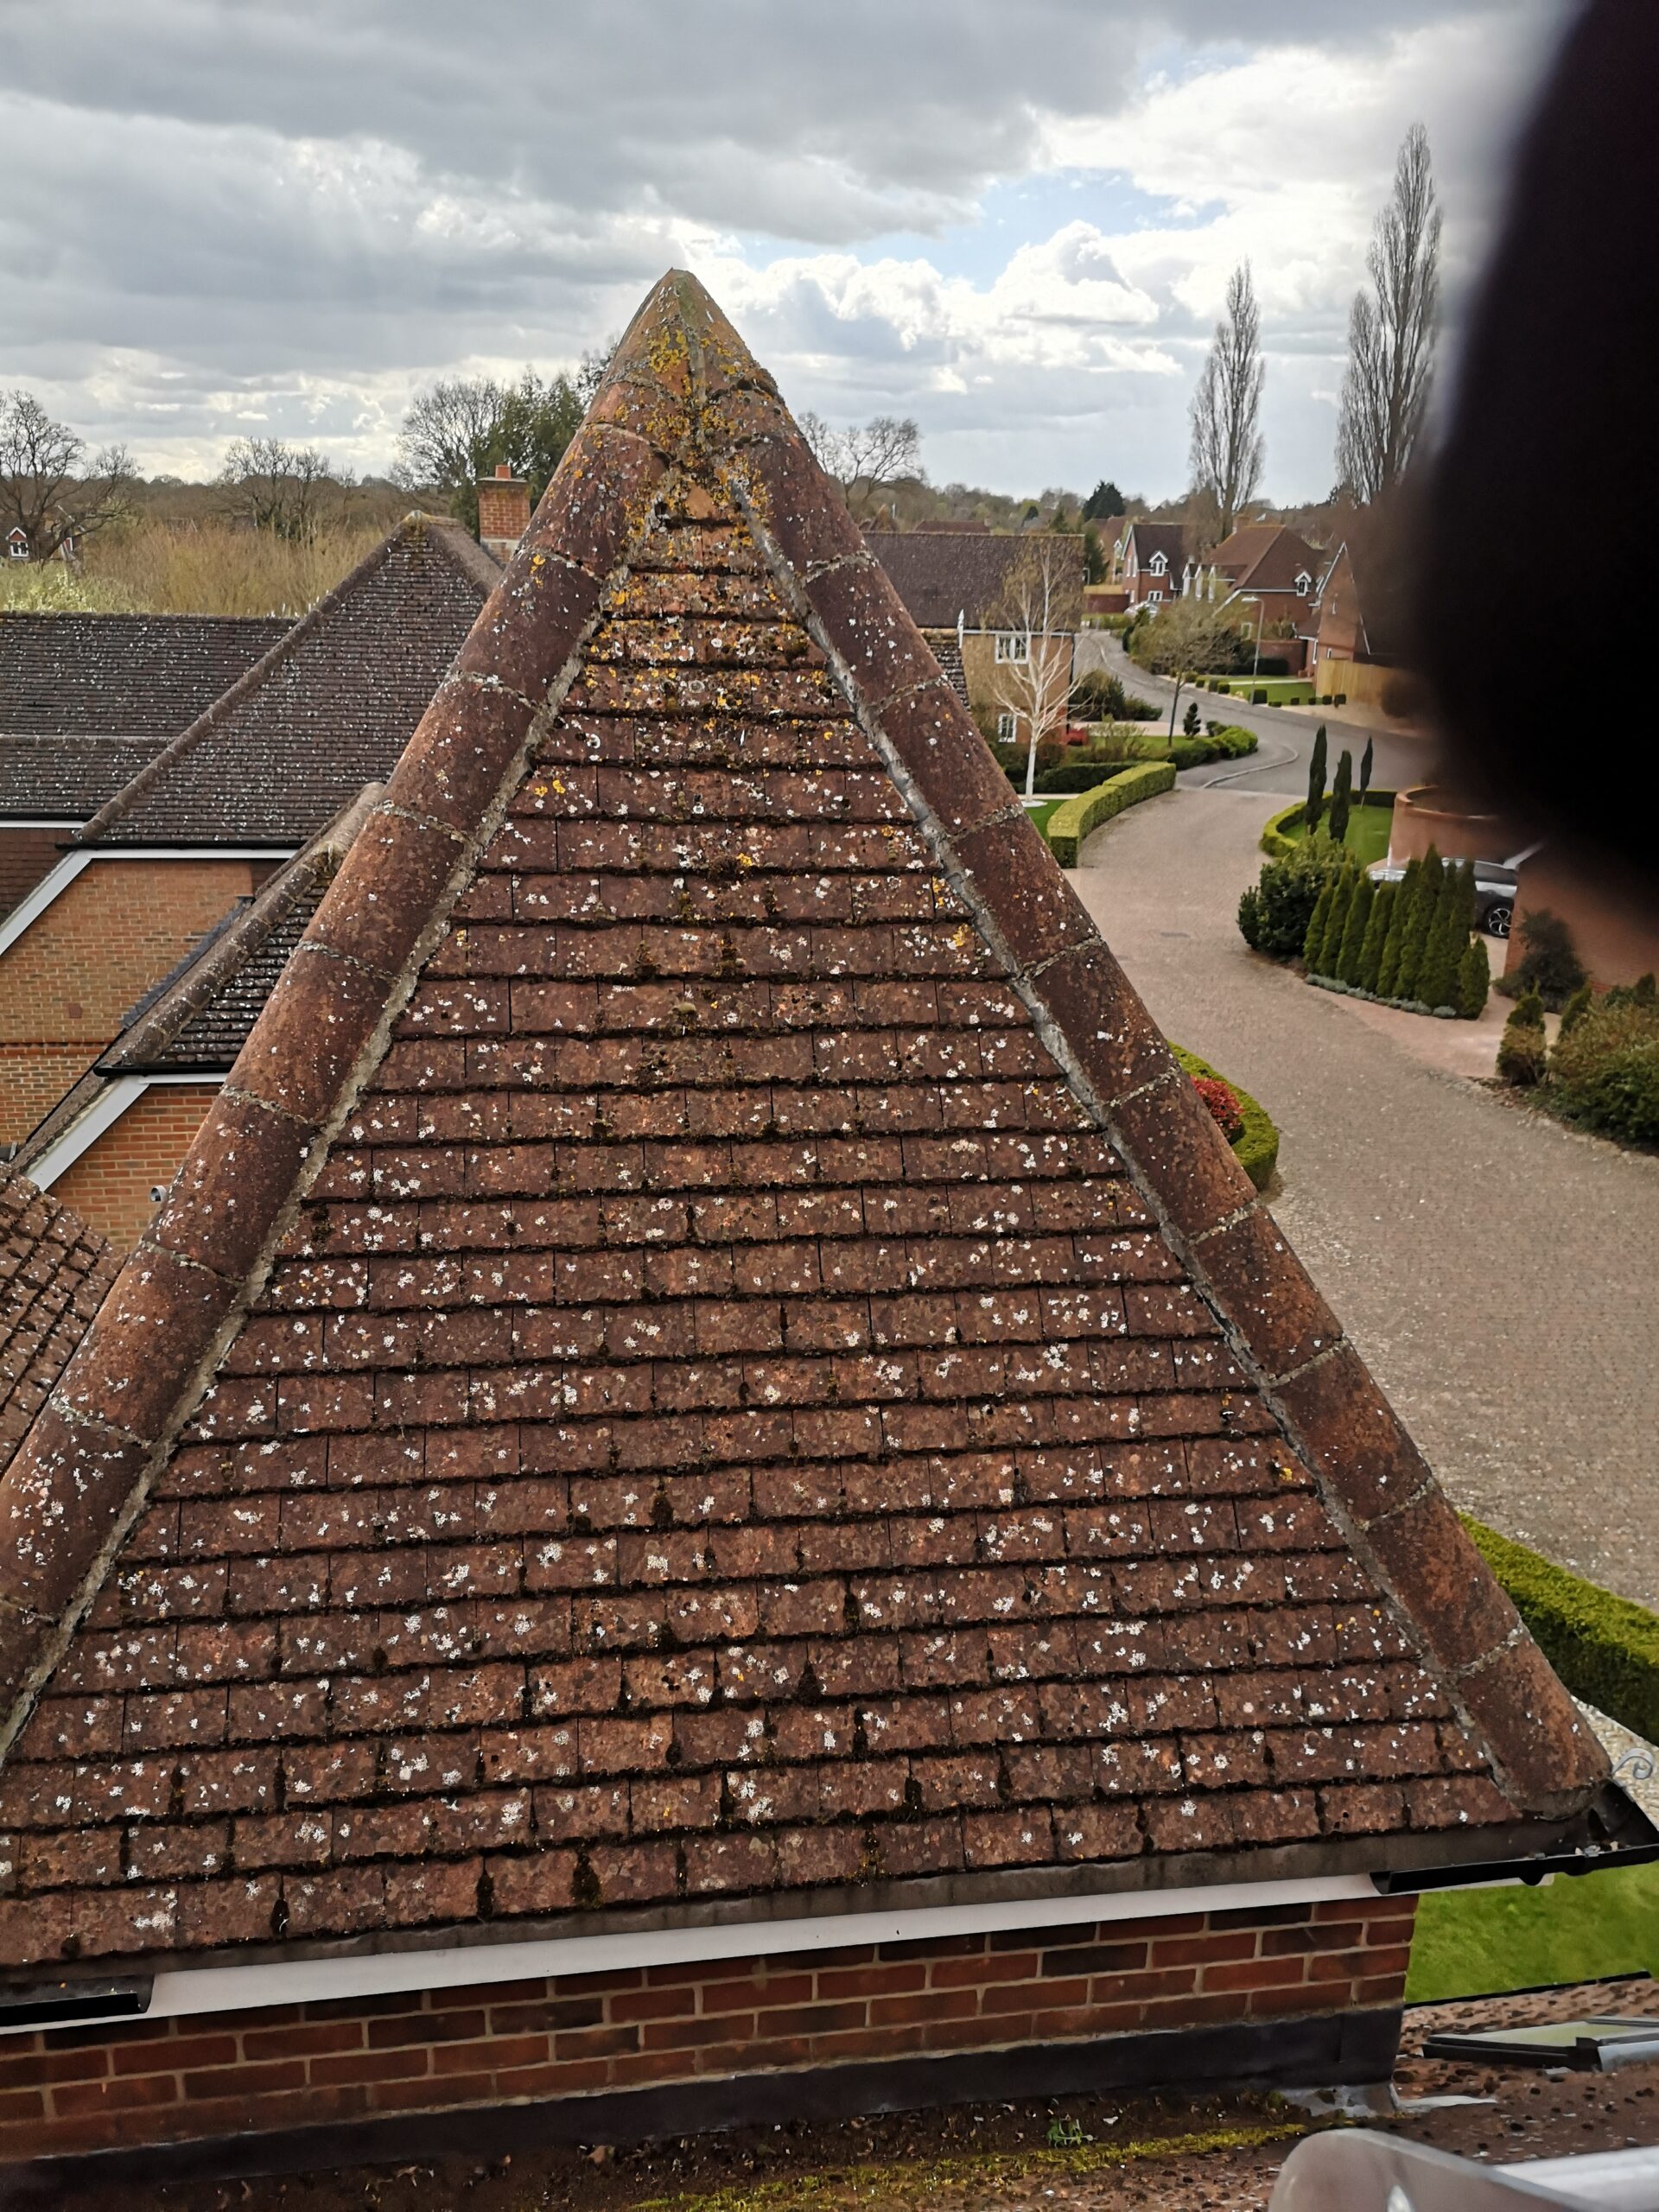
66,778
327,710
121,675
948,653
217,1031
940,574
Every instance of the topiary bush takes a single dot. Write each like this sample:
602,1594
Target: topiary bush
1604,1071
1523,1050
1274,913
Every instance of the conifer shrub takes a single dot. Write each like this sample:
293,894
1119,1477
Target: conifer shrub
1523,1051
1474,980
1274,913
1350,951
1342,799
1400,914
1376,936
1574,1011
1425,908
1319,927
1190,719
1549,964
1315,808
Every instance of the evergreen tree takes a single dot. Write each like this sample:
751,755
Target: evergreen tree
1376,936
1574,1011
1365,760
1400,919
1437,980
1430,885
1313,942
1342,797
1342,901
1190,720
1474,980
1523,1051
1354,929
1315,806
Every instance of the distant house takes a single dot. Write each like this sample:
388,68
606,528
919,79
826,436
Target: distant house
1157,560
16,544
207,819
959,586
88,700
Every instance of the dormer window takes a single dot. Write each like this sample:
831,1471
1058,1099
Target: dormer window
1159,565
1012,644
16,546
1303,583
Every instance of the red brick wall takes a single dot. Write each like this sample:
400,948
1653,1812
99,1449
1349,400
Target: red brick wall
64,986
26,855
110,1184
84,2089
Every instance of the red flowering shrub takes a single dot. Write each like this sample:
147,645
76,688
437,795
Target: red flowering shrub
1222,1102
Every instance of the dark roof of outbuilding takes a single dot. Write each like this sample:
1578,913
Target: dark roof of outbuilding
940,574
707,1358
121,675
53,1273
328,709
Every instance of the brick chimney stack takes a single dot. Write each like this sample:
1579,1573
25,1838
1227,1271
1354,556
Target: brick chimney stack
503,512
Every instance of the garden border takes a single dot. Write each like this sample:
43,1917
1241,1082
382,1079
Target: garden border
1605,1648
1278,846
1073,819
1256,1147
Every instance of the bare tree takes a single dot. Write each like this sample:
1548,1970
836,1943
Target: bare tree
1227,443
590,373
45,490
1392,330
1034,619
866,459
276,486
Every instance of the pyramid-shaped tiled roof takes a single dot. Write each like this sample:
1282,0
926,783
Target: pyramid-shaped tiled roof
329,708
707,1359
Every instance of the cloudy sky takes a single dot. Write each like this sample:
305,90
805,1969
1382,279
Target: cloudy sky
1014,221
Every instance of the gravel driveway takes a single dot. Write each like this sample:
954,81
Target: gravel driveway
1498,1272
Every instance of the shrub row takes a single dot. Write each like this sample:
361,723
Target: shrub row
1603,1072
1256,1145
1603,1648
1279,844
1073,818
1408,945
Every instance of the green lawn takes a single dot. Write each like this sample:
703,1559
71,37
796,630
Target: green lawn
1473,1942
1041,813
1368,833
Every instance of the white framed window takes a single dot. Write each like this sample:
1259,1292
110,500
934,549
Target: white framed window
17,545
1154,598
1007,728
1158,563
1304,584
1012,644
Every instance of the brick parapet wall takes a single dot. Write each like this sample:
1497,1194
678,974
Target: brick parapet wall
74,2090
110,1184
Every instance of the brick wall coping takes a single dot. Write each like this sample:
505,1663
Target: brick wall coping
683,388
731,1931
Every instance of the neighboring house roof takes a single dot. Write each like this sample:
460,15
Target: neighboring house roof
328,709
708,1361
66,778
940,574
1266,556
54,1274
87,700
198,1018
1368,563
1145,539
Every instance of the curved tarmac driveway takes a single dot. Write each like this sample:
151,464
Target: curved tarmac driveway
1500,1274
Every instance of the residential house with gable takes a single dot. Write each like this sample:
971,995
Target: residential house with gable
1157,562
709,1398
987,598
223,804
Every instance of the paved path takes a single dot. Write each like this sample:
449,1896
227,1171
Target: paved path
1280,765
1497,1271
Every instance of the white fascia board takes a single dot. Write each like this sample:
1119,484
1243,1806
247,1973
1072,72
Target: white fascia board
105,1110
29,909
180,1991
41,822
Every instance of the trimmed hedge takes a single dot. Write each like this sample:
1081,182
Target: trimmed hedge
1603,1648
1256,1145
1073,818
1277,846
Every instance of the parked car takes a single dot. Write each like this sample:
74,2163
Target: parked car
1494,887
